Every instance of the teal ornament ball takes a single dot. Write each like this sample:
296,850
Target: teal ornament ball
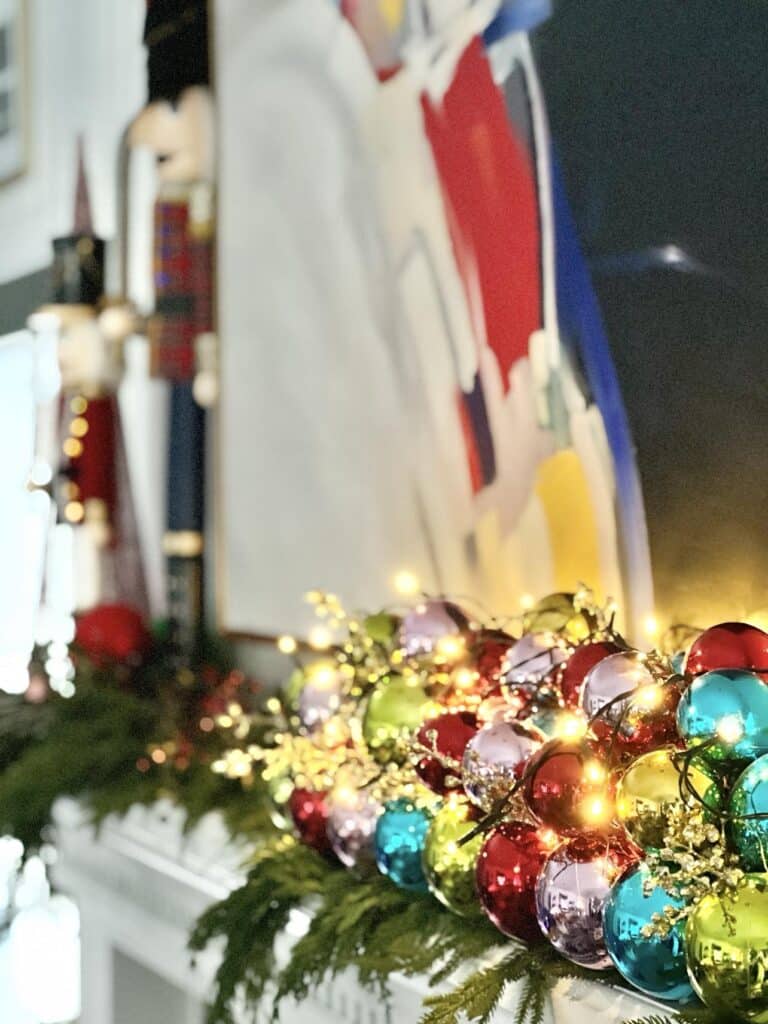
654,964
400,833
727,710
749,835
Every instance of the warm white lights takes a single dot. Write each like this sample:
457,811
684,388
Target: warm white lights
406,583
286,644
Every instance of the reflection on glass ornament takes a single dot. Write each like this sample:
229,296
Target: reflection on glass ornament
574,671
446,736
609,680
396,708
726,943
321,695
654,964
352,817
531,659
652,785
399,843
567,787
449,865
507,870
429,623
728,711
495,758
571,891
634,711
729,645
749,798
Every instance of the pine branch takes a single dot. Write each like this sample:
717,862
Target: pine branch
478,997
686,1015
250,919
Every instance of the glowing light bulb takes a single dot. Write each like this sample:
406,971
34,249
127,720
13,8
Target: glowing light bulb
527,601
406,583
648,697
323,676
730,729
594,771
450,647
595,809
286,644
570,727
464,678
319,638
651,626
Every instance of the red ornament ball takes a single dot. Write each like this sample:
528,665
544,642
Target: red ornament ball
729,645
574,671
488,652
448,736
309,811
568,788
506,873
112,632
645,726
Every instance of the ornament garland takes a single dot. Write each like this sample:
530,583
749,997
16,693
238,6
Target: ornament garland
551,802
559,783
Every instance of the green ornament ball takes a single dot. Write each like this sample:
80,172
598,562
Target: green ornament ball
396,708
726,946
448,866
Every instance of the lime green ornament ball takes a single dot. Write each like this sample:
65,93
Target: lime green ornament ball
396,708
449,867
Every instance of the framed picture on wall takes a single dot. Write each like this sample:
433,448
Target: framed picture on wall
390,346
13,142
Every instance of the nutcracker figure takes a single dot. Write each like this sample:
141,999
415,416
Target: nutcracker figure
177,126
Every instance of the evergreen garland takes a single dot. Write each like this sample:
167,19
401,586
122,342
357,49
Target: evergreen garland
89,746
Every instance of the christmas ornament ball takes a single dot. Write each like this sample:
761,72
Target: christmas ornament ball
449,865
725,942
727,710
605,685
396,708
567,787
728,645
654,964
531,659
447,735
558,613
507,870
351,825
112,632
495,758
748,833
399,843
309,813
321,695
488,651
423,627
571,891
652,785
628,708
574,671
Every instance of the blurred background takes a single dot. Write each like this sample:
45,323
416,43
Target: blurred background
468,290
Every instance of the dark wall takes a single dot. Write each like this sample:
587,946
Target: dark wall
659,111
21,297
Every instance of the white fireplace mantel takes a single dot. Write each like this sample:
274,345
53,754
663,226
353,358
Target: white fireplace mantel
140,884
